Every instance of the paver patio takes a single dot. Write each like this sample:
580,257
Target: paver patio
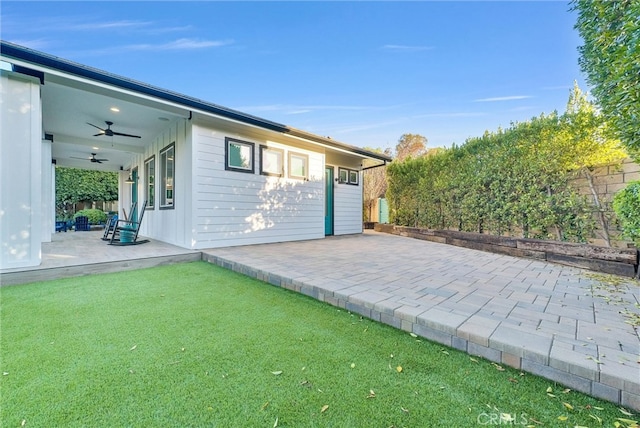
546,319
551,320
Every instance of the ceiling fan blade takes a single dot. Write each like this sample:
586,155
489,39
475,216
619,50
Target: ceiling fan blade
125,135
102,160
98,134
96,127
75,157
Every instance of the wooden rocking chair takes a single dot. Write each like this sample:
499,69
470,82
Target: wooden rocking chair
125,232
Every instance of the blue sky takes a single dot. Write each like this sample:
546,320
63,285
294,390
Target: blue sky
363,73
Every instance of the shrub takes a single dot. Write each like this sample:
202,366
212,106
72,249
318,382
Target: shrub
94,216
626,204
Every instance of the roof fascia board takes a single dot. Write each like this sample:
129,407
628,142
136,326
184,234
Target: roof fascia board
64,68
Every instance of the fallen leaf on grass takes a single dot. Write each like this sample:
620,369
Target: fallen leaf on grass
399,369
353,365
473,360
568,406
512,380
277,373
629,422
625,411
404,410
264,406
498,367
413,335
596,418
444,351
275,424
371,394
563,418
324,408
134,347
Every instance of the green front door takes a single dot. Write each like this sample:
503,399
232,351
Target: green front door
328,201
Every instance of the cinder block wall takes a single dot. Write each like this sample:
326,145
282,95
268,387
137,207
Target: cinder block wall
607,181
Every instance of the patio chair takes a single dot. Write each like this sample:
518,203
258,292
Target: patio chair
110,226
82,224
112,221
61,226
125,232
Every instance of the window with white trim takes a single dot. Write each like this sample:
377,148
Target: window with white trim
298,165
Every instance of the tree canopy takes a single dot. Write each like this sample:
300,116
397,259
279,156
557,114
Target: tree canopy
77,185
610,59
510,181
414,145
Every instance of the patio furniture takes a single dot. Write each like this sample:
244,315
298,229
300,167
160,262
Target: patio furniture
61,226
110,226
82,224
125,232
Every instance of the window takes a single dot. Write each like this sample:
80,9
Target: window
167,171
343,175
271,161
353,177
239,155
348,176
150,181
298,165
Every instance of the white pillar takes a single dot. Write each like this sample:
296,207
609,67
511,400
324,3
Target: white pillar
20,171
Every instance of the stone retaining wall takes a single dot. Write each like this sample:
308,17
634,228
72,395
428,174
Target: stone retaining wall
616,261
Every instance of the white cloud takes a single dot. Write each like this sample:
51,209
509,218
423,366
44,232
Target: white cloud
178,45
508,98
406,48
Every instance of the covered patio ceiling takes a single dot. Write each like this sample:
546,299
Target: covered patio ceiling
68,106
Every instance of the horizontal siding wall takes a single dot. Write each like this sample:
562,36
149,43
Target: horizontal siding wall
239,208
347,208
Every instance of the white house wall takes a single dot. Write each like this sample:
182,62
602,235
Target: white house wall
169,225
20,171
347,207
240,208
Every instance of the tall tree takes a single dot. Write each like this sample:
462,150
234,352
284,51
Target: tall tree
609,57
414,145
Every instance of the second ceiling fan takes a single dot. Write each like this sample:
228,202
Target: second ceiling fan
109,132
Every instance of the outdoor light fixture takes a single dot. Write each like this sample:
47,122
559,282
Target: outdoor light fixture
129,180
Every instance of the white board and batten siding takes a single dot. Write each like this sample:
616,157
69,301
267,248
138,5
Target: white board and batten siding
168,225
240,208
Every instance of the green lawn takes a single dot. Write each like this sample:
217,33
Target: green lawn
196,345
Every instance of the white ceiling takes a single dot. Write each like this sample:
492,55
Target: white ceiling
69,105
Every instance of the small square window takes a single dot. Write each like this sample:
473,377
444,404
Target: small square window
343,175
298,165
353,177
239,155
271,161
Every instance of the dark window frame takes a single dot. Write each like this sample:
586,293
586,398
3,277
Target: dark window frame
163,178
150,186
228,166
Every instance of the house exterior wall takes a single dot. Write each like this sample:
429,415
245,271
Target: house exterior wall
347,208
21,171
240,208
171,225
